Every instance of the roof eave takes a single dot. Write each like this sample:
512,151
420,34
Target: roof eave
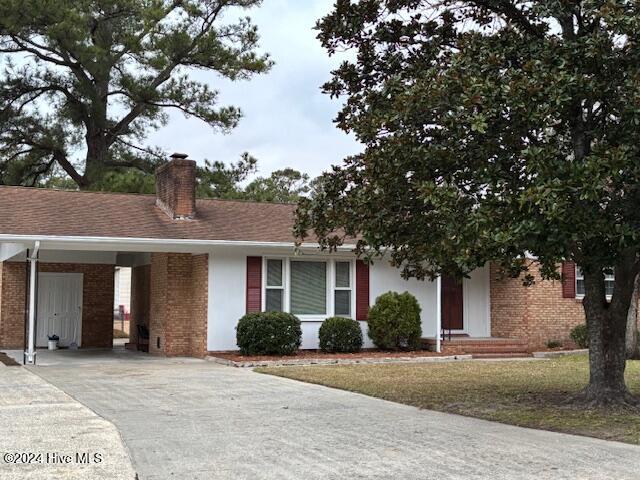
151,244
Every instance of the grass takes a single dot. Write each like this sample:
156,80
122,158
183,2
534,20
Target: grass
119,334
524,393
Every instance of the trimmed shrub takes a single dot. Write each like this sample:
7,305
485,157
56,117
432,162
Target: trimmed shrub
394,322
268,333
339,334
580,336
554,344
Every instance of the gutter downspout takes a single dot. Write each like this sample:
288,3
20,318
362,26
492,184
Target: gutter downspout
438,313
30,354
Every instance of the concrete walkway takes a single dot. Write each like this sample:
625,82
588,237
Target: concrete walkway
198,420
50,429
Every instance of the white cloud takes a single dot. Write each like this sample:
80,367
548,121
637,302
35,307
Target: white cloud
287,120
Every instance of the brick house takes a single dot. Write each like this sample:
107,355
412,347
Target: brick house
198,265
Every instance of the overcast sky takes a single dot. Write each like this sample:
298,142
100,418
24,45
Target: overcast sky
287,121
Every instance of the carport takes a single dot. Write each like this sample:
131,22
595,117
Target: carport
65,287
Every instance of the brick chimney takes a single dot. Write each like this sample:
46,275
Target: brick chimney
176,187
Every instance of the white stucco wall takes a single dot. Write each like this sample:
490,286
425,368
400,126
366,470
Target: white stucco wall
227,286
227,296
384,278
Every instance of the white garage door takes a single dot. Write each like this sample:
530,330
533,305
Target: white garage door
59,308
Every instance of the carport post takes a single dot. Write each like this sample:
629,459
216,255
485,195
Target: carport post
438,313
30,354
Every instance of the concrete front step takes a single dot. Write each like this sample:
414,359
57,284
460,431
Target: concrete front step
501,355
472,340
488,346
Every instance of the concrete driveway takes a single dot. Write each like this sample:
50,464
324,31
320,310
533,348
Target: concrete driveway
198,420
45,434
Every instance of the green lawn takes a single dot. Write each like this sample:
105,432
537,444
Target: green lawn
526,393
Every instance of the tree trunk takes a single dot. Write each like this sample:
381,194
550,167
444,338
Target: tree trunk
97,152
606,324
632,347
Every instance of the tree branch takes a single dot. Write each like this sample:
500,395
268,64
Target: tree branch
163,76
508,10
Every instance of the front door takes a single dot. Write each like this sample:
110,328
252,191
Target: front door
59,308
452,315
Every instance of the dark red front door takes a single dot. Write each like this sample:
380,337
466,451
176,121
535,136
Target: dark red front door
451,303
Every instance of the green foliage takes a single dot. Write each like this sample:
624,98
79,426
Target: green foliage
493,131
213,180
339,334
503,131
554,344
284,186
217,180
580,336
268,333
394,322
84,82
126,181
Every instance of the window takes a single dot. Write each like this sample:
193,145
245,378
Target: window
308,288
342,292
579,283
609,281
274,291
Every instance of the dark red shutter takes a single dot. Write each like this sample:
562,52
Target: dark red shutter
254,284
362,290
568,280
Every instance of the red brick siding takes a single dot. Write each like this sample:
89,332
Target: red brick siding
538,313
158,301
179,297
12,298
140,299
175,188
200,304
97,302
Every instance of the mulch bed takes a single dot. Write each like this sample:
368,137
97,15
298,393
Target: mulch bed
320,355
7,360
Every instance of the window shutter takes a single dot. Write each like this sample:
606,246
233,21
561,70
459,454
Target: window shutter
254,284
362,290
568,280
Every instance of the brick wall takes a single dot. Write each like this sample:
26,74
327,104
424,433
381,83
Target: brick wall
537,313
179,297
140,299
200,303
12,300
97,302
158,287
176,188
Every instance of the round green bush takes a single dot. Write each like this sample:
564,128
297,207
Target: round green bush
268,333
339,334
394,322
580,336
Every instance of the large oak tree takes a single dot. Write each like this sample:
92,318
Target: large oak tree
494,131
85,80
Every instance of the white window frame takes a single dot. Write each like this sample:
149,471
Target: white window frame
285,280
348,289
330,286
580,276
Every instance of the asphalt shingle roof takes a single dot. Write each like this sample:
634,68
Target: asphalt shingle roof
36,211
